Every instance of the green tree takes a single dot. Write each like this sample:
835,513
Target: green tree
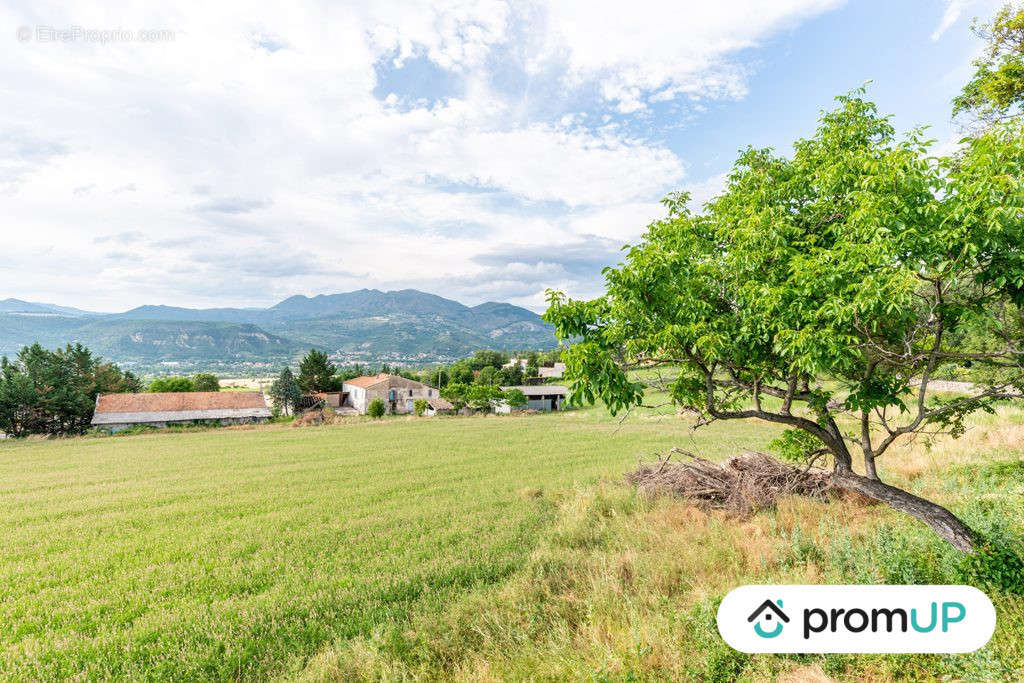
437,377
110,379
462,373
485,357
420,406
285,391
488,375
377,408
861,259
171,384
512,376
205,381
316,372
515,398
456,393
532,369
996,91
54,392
482,397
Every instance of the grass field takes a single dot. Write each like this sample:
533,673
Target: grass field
239,552
475,548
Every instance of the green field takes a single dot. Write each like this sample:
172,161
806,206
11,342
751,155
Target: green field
483,548
243,552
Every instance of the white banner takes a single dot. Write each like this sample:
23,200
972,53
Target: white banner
856,619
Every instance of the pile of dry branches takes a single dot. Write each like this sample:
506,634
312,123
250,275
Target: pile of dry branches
742,484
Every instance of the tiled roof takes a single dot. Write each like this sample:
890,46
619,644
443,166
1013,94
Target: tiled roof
168,402
115,409
368,380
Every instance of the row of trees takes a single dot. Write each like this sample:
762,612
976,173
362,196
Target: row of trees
485,368
473,382
203,381
54,392
481,397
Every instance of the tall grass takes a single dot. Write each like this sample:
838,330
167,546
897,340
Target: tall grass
624,588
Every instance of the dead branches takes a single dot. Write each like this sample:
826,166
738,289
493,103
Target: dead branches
743,484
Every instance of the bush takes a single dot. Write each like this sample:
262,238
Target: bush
515,399
377,408
420,406
994,566
171,384
205,381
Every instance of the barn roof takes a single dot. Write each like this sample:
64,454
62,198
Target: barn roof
174,406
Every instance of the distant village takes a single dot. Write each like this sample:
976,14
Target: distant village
68,391
472,386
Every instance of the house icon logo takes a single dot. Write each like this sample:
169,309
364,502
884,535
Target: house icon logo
769,619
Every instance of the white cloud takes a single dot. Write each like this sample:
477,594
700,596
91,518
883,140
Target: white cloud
652,49
954,8
251,158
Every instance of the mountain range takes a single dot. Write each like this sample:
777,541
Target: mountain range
366,326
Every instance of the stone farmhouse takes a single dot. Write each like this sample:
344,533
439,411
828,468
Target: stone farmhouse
120,411
398,393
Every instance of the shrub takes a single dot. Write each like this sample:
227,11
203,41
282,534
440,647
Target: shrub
171,384
205,381
377,408
515,398
420,406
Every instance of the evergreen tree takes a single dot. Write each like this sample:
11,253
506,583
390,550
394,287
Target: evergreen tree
54,392
316,372
285,391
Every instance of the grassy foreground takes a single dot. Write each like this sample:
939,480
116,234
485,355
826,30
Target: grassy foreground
468,548
242,553
623,588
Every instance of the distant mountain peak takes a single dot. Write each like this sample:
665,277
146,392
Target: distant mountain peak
365,325
12,305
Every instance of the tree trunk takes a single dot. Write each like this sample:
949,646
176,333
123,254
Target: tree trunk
869,467
941,520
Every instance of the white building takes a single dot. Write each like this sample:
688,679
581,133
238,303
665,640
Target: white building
398,393
554,372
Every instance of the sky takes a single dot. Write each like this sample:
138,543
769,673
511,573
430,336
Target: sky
225,154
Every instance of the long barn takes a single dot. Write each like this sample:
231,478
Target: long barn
120,411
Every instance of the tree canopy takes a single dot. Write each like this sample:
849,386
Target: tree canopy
205,381
171,384
54,392
996,91
316,372
285,391
861,260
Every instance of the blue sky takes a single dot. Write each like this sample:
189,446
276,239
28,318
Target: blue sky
481,149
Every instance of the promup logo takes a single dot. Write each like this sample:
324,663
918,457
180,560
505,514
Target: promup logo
764,615
856,619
